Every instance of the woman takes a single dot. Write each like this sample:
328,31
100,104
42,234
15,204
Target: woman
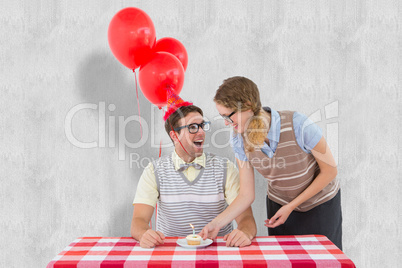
288,149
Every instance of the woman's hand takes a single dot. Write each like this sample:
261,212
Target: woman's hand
280,217
210,231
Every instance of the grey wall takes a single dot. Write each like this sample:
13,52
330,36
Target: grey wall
336,61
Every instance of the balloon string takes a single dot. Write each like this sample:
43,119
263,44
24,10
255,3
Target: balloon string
160,144
138,101
179,140
160,148
139,115
160,153
170,87
156,214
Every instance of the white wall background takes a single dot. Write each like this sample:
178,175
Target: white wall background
338,61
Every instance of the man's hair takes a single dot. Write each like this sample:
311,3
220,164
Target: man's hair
173,120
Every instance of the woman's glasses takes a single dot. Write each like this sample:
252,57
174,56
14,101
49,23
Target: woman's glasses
227,117
194,127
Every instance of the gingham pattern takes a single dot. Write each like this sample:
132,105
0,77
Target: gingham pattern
268,251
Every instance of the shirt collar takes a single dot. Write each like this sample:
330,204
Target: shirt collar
274,130
177,160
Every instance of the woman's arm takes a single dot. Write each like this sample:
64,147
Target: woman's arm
241,203
328,172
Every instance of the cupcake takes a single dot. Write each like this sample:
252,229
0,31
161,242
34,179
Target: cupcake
193,240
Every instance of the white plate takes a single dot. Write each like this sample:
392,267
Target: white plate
204,243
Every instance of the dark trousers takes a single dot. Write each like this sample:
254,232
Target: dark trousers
324,219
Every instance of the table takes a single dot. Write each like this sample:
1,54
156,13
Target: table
265,251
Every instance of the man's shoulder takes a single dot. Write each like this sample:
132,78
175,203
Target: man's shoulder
216,159
164,159
209,155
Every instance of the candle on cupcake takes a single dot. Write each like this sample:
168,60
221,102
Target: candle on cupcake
193,229
194,239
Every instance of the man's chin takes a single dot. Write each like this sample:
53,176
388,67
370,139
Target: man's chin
198,151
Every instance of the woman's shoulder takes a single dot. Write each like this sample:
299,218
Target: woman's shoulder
298,116
302,121
306,131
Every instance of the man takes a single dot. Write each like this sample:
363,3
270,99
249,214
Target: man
193,194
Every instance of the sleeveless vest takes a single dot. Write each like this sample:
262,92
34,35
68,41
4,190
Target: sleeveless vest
182,202
291,170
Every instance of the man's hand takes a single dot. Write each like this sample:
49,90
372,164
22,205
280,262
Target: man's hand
237,238
151,239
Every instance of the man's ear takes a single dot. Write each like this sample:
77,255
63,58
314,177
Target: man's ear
173,136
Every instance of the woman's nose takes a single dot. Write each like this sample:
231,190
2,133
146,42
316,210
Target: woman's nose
226,123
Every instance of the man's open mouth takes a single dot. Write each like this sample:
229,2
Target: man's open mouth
198,143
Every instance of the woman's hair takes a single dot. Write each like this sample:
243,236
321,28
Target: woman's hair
241,94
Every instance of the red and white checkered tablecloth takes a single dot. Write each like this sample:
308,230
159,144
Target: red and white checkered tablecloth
266,251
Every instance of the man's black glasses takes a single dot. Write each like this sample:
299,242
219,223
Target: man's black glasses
194,127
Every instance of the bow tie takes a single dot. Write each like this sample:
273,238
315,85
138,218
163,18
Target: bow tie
185,166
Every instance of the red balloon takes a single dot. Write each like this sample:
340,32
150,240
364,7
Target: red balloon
162,71
173,46
131,37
